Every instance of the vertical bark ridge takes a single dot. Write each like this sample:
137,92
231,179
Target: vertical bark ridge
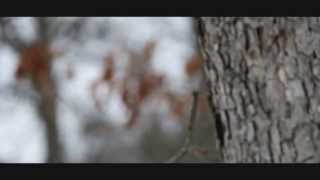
264,81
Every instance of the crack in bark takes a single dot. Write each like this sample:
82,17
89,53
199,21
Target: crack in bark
270,146
267,112
280,137
255,134
228,124
243,104
281,152
222,58
220,128
250,94
246,36
313,78
259,31
266,46
307,103
307,159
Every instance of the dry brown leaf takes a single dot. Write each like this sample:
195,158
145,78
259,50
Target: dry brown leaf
109,68
193,65
147,84
34,61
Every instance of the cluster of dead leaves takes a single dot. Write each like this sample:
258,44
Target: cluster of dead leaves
148,83
138,71
193,65
35,64
34,61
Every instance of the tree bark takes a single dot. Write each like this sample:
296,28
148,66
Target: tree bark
263,77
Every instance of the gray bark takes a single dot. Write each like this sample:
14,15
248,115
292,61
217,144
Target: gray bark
263,78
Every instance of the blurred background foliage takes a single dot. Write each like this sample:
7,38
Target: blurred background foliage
76,89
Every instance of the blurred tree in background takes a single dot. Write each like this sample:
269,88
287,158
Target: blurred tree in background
101,90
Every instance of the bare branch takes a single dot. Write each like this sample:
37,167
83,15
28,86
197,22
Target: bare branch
185,148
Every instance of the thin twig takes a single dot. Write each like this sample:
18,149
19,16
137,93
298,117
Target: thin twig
185,148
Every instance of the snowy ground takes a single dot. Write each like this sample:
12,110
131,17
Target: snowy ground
21,132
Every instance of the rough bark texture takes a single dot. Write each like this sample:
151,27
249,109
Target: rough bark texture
263,76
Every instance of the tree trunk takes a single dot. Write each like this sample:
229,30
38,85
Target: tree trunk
47,109
36,64
263,76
